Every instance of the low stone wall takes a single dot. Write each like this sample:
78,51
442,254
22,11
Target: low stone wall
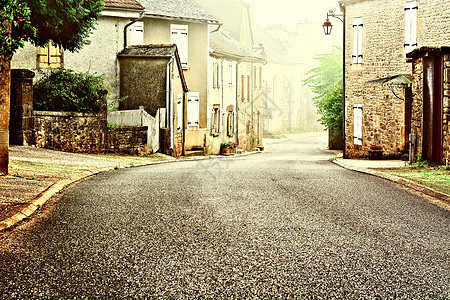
127,140
70,131
86,133
446,111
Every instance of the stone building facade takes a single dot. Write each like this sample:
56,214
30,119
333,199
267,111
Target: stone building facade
431,104
378,36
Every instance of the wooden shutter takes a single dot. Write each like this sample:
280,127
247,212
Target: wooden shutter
357,41
357,124
50,56
220,120
136,34
411,10
248,88
234,122
179,36
242,88
179,112
214,74
193,101
213,121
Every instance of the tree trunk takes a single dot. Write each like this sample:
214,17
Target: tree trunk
5,81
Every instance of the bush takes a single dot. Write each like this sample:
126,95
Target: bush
66,90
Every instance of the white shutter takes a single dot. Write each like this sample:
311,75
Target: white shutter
234,122
357,124
357,41
414,11
220,120
360,32
213,118
193,99
136,34
179,112
214,75
218,75
407,27
179,36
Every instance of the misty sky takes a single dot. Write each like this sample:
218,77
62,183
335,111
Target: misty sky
291,12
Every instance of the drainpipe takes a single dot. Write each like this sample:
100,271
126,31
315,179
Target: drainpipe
126,27
169,105
217,29
237,100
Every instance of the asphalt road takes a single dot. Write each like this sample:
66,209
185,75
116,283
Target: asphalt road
287,223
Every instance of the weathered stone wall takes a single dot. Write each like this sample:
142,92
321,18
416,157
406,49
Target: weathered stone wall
70,131
384,55
446,110
417,103
127,140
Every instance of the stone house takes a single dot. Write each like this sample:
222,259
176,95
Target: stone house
378,35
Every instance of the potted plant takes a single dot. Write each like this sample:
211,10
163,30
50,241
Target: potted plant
375,152
227,148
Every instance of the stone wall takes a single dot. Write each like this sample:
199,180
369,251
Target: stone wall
383,56
86,133
70,131
127,140
417,103
446,111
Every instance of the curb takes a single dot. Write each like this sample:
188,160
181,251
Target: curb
400,180
44,196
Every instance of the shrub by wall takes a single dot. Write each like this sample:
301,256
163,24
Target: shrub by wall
66,90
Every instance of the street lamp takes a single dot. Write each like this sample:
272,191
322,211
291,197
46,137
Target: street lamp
327,27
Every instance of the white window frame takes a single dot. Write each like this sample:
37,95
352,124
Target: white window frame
357,56
193,106
357,124
411,12
179,35
216,120
136,34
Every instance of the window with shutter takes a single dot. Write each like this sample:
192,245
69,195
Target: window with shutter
49,57
248,88
136,34
214,74
231,75
179,112
242,88
216,120
411,10
357,55
193,105
179,36
218,75
357,124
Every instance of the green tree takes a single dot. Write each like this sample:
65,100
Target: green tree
325,81
67,23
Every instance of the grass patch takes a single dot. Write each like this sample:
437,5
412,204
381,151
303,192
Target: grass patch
40,171
132,158
437,177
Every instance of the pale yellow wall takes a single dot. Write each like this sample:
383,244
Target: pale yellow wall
157,31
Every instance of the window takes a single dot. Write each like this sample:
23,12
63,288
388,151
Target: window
357,41
248,88
49,57
216,120
217,78
136,34
179,112
231,121
179,36
357,124
193,104
231,75
411,10
242,88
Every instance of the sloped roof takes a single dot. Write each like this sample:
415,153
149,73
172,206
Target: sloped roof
223,43
126,4
156,51
178,9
